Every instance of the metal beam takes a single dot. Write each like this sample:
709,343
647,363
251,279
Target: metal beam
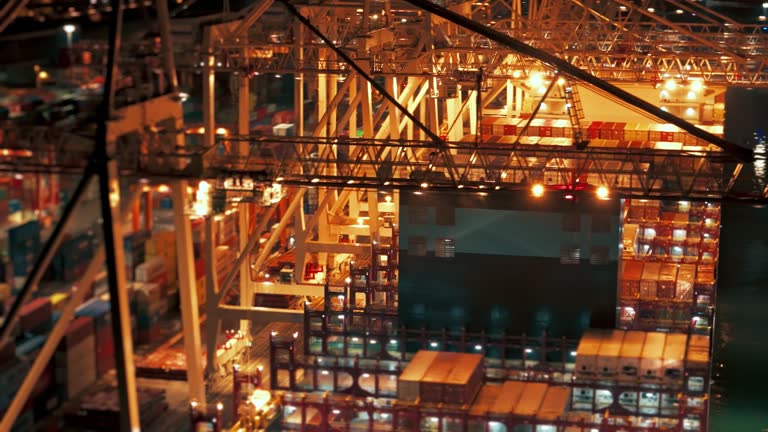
563,66
190,317
297,289
113,236
275,234
262,314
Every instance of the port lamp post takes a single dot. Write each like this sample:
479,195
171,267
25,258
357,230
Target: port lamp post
537,190
69,29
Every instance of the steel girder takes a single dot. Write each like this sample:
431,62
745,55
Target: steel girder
629,172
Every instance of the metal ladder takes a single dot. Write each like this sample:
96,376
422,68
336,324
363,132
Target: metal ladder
575,112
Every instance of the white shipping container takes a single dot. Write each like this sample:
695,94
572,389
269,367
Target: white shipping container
608,356
408,384
151,269
588,350
630,355
674,357
652,361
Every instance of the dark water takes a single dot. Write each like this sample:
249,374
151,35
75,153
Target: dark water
740,390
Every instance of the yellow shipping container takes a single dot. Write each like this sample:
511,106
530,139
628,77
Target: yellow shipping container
58,300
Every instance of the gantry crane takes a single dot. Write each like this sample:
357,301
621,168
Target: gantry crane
422,55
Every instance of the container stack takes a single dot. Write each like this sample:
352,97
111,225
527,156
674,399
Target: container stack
153,271
23,247
667,281
682,238
150,305
99,311
134,245
441,377
163,244
73,257
75,359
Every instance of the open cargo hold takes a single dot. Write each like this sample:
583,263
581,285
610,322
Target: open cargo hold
588,350
667,281
697,356
630,279
651,363
408,384
608,356
649,280
686,276
674,357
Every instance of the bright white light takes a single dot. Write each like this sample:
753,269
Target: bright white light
697,85
679,11
670,85
478,347
664,109
691,95
602,192
535,80
690,112
537,190
651,10
543,105
69,28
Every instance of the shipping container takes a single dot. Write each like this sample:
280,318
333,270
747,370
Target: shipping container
432,385
99,311
686,276
649,280
555,403
667,281
487,396
697,357
608,355
674,357
408,384
651,363
533,396
630,279
510,395
588,351
465,379
630,355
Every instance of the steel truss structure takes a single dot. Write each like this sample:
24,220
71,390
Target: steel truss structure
413,129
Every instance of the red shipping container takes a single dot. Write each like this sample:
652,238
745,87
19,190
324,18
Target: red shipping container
667,136
510,129
605,130
593,131
79,329
36,315
545,131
